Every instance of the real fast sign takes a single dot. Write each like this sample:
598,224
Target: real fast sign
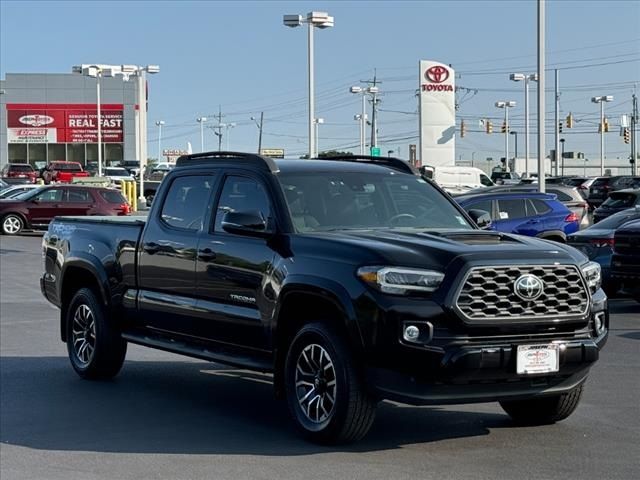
63,123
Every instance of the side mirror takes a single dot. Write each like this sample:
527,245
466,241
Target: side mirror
481,217
250,223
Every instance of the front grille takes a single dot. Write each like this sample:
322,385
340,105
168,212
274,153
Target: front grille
488,293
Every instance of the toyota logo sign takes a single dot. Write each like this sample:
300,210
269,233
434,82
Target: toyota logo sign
437,74
36,120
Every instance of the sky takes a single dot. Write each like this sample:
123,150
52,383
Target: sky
238,57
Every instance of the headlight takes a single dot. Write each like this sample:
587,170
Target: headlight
591,273
399,280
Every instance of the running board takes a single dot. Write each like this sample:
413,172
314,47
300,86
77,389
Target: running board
225,356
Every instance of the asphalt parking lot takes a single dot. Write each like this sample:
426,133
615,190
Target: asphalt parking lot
170,417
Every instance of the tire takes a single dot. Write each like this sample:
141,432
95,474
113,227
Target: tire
96,350
319,365
12,224
545,410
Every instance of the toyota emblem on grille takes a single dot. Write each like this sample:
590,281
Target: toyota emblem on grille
528,287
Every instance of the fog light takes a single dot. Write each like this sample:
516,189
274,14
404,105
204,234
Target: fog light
411,333
598,322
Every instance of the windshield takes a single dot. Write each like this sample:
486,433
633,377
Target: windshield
328,201
116,172
21,168
67,167
28,194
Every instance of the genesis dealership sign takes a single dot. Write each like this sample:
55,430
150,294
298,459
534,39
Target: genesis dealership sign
437,113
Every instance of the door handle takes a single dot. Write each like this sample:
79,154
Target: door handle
206,254
531,222
151,248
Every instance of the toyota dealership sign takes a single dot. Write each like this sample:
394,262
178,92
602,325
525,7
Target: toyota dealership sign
437,113
63,123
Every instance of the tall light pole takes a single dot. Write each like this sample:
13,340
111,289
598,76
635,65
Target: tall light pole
518,77
159,124
541,95
317,122
201,121
227,127
363,116
506,105
601,100
562,155
313,20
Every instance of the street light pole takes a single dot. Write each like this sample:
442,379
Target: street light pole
317,122
601,100
506,105
515,136
313,20
159,124
99,113
201,121
541,95
259,125
562,155
517,77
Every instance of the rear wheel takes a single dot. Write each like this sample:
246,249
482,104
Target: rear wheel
96,348
545,410
12,224
325,390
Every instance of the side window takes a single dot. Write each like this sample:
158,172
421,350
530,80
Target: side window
241,194
186,202
540,207
52,195
511,209
486,181
76,195
483,205
562,197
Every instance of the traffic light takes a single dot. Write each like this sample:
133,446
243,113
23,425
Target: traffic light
569,121
463,129
504,127
606,125
489,126
560,127
626,135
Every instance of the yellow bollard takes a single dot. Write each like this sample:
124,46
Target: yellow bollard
134,196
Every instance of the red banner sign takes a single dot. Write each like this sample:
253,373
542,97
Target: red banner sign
72,123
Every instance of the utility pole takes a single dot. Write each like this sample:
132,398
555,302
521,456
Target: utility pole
374,108
557,122
260,134
219,126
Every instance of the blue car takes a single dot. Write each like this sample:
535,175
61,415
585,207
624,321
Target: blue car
596,242
526,213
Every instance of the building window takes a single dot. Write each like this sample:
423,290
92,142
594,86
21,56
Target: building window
17,153
56,152
38,155
113,153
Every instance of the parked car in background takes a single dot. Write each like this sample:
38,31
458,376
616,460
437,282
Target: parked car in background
597,241
584,187
569,196
19,173
603,186
63,172
15,190
132,166
457,179
625,263
617,201
505,178
526,213
34,210
117,175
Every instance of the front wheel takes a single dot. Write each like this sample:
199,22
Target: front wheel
12,224
325,390
545,410
95,346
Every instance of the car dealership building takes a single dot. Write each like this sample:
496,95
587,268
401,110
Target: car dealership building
46,117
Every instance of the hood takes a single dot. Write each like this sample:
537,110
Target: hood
437,249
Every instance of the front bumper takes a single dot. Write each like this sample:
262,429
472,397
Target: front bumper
465,366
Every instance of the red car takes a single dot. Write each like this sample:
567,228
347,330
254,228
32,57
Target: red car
19,173
62,172
35,209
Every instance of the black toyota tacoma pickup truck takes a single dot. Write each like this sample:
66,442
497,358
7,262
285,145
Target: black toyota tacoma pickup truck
352,280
